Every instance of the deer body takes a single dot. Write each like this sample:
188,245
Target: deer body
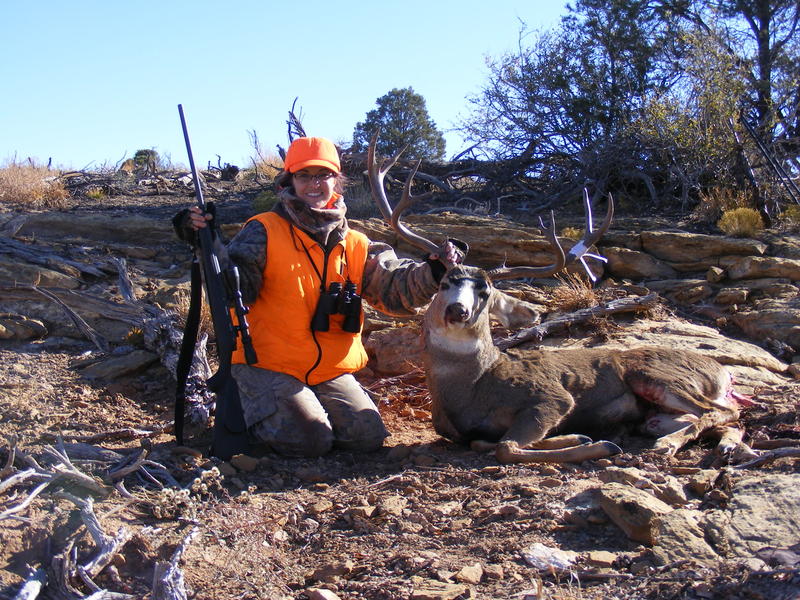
480,394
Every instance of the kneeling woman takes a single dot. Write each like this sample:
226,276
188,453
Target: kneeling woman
303,274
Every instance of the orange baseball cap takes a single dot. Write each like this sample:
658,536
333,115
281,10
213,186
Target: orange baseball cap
312,152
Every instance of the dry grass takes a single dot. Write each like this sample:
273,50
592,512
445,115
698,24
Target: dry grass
717,201
741,222
574,292
181,308
572,233
31,186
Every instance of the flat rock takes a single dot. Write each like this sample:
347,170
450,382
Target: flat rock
632,510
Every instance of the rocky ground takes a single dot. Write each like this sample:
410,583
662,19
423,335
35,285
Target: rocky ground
420,519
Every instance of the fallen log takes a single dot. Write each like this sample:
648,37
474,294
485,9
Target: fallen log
562,322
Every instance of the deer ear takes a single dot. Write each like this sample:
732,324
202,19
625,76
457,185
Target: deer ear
511,312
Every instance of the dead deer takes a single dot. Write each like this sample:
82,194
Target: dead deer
536,405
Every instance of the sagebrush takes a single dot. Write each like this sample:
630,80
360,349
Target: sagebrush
741,222
32,186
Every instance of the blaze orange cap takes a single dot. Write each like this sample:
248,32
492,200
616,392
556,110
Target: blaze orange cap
312,152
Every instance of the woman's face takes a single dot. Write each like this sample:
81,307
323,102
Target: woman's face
314,185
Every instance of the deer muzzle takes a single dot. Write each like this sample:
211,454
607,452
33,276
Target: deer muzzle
456,313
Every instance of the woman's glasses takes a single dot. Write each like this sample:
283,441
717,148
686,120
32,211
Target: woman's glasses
318,178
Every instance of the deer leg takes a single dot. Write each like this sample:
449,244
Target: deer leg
524,441
551,443
730,445
560,441
510,452
673,441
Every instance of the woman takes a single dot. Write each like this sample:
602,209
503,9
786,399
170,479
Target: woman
303,274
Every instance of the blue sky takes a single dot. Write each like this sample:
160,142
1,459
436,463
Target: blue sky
90,82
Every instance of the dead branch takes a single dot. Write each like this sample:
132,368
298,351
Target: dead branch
32,586
24,504
125,285
107,546
39,255
8,469
127,433
770,456
18,478
168,582
562,322
82,325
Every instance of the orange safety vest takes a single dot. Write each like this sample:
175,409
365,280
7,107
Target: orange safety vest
280,318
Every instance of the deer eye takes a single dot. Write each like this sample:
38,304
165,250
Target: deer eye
444,285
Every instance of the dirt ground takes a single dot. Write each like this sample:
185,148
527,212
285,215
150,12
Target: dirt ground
421,518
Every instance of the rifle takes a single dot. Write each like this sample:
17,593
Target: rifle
222,289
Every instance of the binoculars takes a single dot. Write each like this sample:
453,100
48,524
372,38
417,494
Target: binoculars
338,300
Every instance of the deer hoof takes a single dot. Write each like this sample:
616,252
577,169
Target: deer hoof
611,447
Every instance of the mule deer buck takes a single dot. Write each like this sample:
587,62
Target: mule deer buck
534,407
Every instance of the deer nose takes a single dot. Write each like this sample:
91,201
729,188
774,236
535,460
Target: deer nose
456,313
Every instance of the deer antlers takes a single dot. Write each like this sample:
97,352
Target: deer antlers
392,217
578,252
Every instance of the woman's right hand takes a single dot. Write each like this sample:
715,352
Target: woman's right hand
190,220
198,219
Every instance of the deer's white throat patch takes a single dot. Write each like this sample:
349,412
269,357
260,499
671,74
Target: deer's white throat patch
456,340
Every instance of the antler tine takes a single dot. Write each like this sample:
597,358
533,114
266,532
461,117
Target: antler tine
392,217
580,250
376,177
500,273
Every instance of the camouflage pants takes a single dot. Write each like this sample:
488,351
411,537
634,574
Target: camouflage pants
299,420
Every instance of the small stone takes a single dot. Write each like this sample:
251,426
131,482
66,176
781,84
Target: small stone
320,506
321,594
429,589
365,512
509,510
332,571
424,460
550,482
470,574
393,505
227,469
715,274
245,463
633,510
601,558
494,572
398,453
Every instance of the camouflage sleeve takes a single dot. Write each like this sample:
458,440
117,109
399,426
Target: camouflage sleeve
396,286
248,251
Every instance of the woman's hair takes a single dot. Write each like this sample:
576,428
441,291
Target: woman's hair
284,181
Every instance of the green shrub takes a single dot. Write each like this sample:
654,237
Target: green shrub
741,222
147,160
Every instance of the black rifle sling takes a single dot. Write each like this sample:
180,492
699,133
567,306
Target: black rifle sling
187,348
